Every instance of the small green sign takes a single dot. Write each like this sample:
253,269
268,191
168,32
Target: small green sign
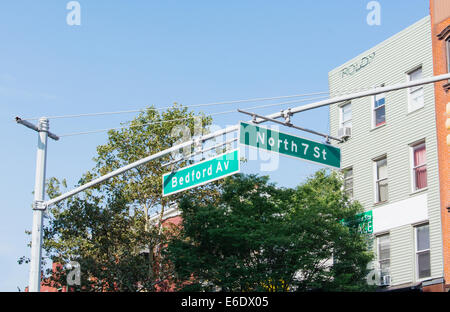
289,145
363,222
201,173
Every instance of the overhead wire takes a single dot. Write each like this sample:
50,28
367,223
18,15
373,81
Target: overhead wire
201,105
336,93
187,106
193,117
146,124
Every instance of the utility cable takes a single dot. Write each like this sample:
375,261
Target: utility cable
187,106
187,118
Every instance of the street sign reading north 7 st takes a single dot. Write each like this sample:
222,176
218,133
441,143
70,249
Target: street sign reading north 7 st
289,145
201,173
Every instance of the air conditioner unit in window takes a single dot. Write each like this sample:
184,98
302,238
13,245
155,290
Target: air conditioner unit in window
345,132
385,280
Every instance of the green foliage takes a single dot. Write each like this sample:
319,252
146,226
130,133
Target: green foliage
107,240
258,237
146,135
239,234
107,228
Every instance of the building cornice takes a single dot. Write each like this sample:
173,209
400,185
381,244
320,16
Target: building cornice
444,34
168,213
446,86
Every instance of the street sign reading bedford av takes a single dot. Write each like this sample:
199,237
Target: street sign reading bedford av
201,173
289,145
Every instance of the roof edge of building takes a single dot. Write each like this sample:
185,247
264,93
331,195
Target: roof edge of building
426,19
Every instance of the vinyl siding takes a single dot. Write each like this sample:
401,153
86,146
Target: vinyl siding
394,57
402,255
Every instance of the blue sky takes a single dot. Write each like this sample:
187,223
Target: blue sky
131,54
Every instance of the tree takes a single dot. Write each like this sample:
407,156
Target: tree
107,239
150,132
107,229
258,237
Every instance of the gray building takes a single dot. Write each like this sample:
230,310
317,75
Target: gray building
389,157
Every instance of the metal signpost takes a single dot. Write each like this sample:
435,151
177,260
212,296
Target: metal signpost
201,173
39,194
289,145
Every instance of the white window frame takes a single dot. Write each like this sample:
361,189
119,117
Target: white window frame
414,89
376,180
413,147
416,252
374,109
345,179
447,52
341,115
378,252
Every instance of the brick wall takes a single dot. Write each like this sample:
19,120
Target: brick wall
440,19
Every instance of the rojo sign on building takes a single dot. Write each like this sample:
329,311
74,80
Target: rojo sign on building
289,145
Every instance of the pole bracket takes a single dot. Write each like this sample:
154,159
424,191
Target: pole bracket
39,205
198,144
286,114
43,126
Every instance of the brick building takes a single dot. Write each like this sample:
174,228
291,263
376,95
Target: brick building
440,33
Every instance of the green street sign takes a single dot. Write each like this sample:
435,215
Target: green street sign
201,173
289,145
363,222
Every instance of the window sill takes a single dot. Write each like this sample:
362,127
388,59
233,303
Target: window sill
446,86
423,279
418,191
378,127
381,203
344,140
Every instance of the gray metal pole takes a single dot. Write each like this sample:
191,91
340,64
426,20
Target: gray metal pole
39,190
358,95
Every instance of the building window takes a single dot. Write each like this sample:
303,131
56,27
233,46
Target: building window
415,94
419,167
348,182
423,251
384,254
346,115
446,86
381,180
447,45
379,112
